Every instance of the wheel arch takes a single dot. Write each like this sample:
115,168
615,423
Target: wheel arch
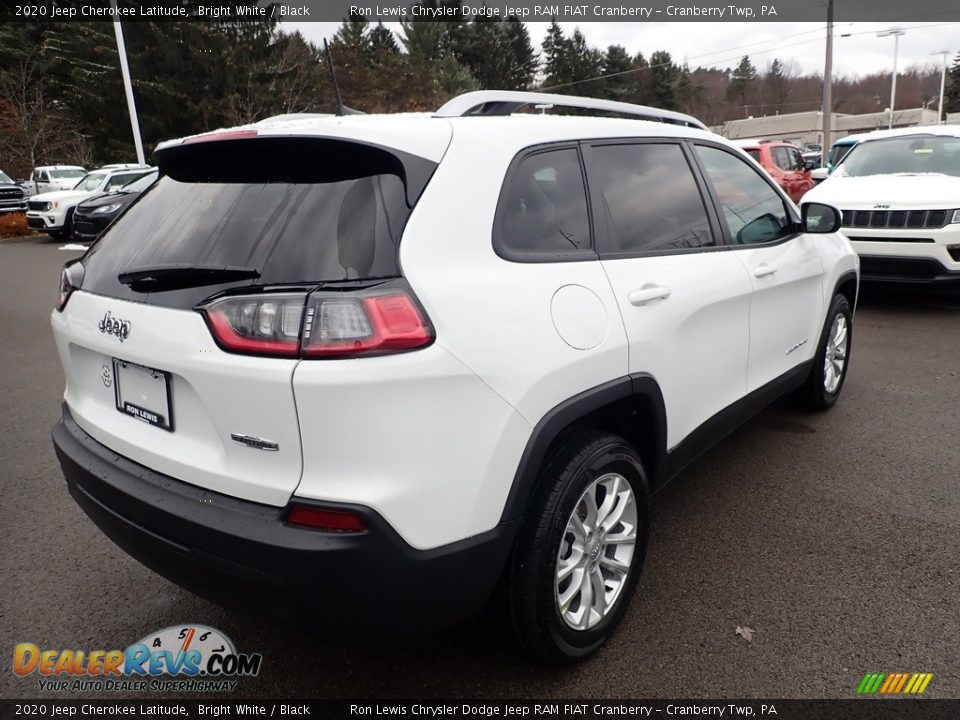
848,285
631,406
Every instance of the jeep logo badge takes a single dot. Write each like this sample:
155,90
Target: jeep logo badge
114,326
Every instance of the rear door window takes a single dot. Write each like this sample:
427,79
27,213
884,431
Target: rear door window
542,212
651,201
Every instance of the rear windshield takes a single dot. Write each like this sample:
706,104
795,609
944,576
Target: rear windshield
300,232
755,154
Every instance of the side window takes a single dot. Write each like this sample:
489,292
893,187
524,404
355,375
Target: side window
798,162
44,177
543,209
755,154
119,180
754,211
781,156
651,201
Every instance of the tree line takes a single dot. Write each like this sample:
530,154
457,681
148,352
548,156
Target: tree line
62,99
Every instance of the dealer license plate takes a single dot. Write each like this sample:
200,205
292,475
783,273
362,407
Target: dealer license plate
143,393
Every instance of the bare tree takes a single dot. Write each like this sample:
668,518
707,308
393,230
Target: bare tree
31,129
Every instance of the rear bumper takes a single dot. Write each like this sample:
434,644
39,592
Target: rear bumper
242,554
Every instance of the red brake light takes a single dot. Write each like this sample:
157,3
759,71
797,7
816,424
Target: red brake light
325,519
224,135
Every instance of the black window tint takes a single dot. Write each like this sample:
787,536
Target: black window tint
753,210
650,198
544,207
289,232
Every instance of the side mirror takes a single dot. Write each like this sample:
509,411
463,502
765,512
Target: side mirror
810,165
820,218
819,174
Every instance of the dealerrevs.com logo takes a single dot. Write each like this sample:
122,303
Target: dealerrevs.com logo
183,658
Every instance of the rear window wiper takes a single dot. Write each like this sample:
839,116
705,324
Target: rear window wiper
175,276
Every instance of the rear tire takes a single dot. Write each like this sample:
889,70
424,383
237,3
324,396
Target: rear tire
587,522
825,381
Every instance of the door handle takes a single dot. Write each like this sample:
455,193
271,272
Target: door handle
648,293
763,270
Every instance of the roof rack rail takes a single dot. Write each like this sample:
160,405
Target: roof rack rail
505,102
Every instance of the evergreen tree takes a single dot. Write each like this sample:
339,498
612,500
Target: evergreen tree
619,83
741,81
775,85
951,100
663,76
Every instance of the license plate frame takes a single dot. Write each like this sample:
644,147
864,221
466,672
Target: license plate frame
153,384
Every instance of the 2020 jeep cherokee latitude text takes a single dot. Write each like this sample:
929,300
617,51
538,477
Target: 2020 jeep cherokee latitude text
378,366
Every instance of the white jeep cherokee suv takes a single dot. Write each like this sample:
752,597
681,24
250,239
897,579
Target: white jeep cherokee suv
374,367
900,195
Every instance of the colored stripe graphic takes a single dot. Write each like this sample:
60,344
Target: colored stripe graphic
894,683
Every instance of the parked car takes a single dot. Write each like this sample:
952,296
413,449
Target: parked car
50,178
900,195
782,160
52,212
11,195
306,373
92,216
838,151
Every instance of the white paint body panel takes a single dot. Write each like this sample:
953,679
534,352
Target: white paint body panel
213,394
432,439
897,192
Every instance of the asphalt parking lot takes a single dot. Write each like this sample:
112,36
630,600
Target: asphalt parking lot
835,537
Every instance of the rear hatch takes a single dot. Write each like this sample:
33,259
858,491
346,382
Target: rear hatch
264,218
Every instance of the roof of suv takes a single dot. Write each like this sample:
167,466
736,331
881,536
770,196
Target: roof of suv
947,130
428,134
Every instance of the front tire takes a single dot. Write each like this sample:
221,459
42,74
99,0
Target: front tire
825,381
581,548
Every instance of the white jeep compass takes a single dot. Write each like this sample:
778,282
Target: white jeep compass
365,370
899,191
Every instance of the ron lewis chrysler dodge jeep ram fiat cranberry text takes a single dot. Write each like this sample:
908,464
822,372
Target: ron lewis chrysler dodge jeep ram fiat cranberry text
377,367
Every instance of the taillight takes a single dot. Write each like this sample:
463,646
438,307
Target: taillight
257,324
323,324
339,326
325,519
71,278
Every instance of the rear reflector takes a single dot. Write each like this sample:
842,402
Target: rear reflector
325,519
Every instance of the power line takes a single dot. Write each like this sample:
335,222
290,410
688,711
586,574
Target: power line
779,46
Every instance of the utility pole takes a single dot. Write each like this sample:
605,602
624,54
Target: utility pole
896,32
943,83
125,70
827,88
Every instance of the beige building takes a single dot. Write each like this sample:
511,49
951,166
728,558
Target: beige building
807,127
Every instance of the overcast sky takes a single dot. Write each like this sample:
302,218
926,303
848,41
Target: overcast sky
722,44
